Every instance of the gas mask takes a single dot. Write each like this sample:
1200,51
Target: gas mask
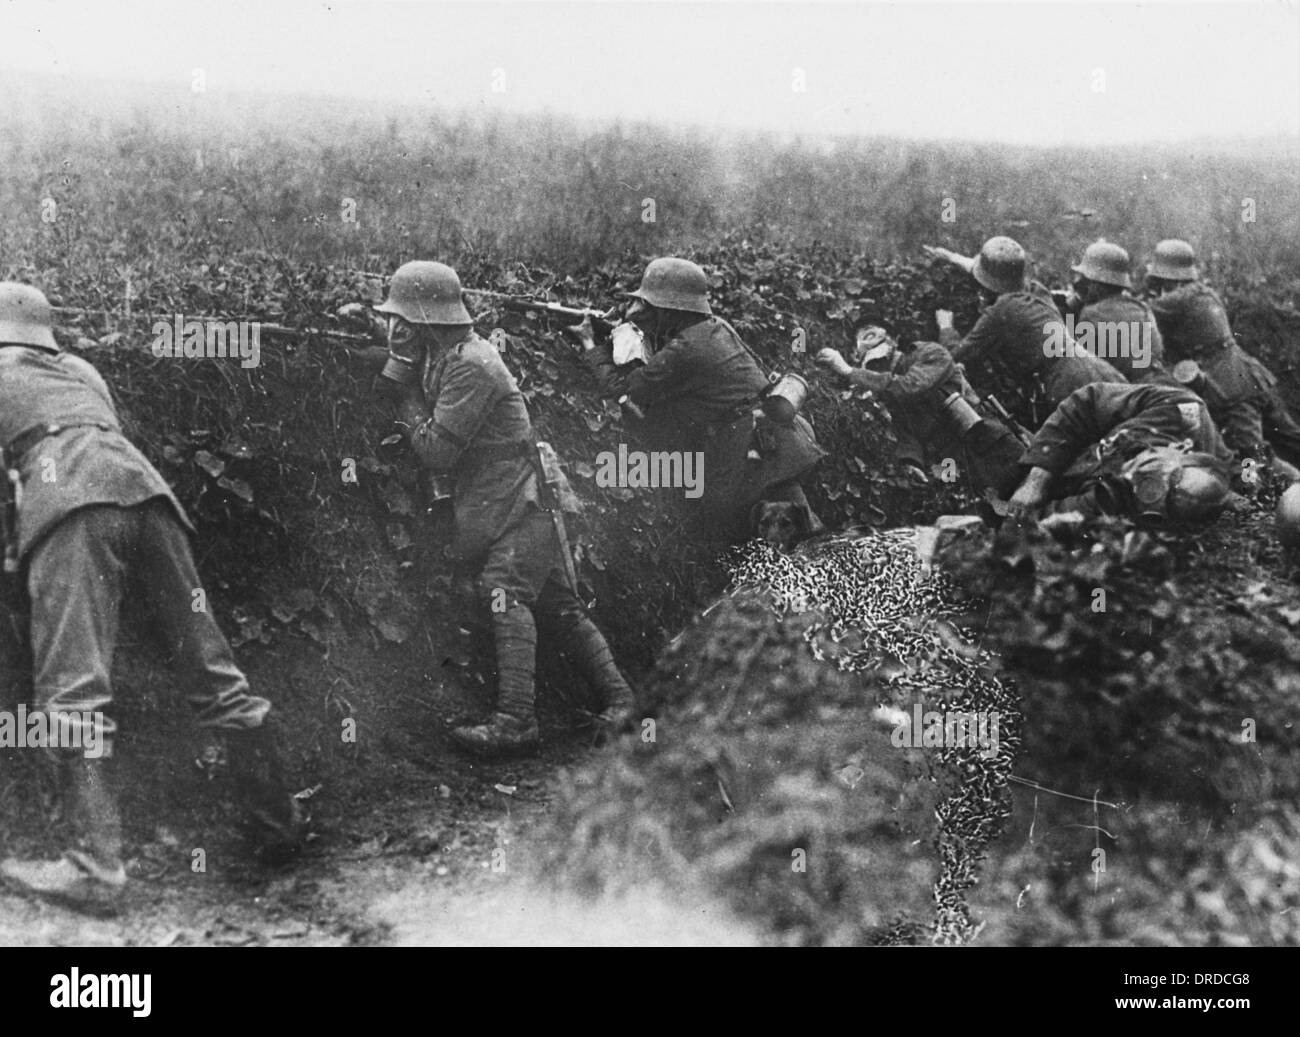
1172,484
872,345
405,352
644,316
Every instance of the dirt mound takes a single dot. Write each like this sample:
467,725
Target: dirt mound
769,776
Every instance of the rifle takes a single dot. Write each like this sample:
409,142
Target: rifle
264,327
993,406
572,314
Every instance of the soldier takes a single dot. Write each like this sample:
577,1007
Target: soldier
93,521
467,422
1110,321
1241,391
1149,451
1020,327
701,391
932,406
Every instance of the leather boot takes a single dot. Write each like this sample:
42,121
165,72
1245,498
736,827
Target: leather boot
587,649
90,878
513,728
274,822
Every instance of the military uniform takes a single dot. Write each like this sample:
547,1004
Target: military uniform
914,389
1241,392
95,521
470,422
1242,395
1097,428
1014,332
91,521
1123,309
1192,320
699,393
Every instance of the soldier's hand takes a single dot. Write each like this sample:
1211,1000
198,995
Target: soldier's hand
1032,493
583,333
1063,522
943,319
833,360
360,317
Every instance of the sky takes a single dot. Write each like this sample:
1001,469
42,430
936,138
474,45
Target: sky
1040,73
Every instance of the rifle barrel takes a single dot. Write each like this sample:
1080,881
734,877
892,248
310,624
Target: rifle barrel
264,326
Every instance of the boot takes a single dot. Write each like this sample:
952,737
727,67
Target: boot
92,879
513,728
501,735
274,821
586,647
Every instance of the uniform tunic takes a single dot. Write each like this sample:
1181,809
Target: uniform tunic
1243,395
1122,309
1245,403
89,463
469,420
477,430
97,524
1016,331
914,390
698,393
1098,427
1192,321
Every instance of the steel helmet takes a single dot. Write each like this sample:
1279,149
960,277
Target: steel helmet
1169,482
675,284
1288,516
426,293
1174,261
1197,493
1000,266
1106,264
25,316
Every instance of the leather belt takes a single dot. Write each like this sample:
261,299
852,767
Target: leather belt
475,456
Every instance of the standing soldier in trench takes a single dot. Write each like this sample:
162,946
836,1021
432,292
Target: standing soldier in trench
467,422
702,390
1240,391
93,523
1019,327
